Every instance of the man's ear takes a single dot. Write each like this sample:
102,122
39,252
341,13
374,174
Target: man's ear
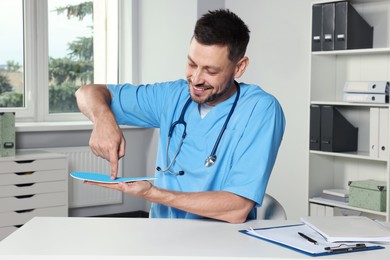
241,66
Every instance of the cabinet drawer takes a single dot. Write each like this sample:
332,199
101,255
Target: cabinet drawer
32,177
5,231
33,201
16,218
32,188
32,165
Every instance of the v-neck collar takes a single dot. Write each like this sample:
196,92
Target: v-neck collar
217,113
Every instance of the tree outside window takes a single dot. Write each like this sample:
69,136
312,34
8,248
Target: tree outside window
68,73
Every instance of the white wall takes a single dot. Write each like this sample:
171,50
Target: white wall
165,30
279,53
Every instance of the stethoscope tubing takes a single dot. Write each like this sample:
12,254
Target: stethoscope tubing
210,160
213,152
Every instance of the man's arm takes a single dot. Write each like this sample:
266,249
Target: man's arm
94,101
221,205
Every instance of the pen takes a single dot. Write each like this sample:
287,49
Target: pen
346,249
308,238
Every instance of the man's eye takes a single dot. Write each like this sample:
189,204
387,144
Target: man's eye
212,72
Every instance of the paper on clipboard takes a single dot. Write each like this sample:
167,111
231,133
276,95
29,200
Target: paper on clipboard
349,228
287,236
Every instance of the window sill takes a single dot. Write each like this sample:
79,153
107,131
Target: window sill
53,126
56,126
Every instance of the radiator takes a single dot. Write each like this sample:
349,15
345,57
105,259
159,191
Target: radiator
83,195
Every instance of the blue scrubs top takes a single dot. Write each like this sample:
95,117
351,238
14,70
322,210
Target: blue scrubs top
246,153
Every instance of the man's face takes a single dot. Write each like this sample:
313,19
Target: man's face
210,74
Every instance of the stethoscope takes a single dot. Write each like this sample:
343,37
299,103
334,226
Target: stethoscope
210,160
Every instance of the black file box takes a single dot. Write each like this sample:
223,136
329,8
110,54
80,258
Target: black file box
316,27
351,30
337,133
328,25
315,127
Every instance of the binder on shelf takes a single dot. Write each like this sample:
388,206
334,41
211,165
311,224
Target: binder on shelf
351,30
328,26
374,132
383,133
316,27
320,210
315,127
366,98
377,87
7,134
337,133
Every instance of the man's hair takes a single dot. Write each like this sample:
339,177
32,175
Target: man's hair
222,27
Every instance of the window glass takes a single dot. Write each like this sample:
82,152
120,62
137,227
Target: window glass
11,54
49,48
70,37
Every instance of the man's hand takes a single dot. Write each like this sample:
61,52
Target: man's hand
139,188
107,141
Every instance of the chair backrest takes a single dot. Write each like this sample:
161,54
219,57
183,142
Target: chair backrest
271,209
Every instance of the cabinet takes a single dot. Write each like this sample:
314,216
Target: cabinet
329,71
32,183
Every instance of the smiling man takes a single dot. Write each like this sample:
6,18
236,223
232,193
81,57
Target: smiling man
218,138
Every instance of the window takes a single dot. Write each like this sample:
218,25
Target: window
11,54
61,45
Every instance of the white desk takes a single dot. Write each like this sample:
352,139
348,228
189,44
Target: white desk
137,238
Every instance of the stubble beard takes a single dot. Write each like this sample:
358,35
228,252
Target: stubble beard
212,98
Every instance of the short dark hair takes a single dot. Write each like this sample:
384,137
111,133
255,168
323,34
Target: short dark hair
223,27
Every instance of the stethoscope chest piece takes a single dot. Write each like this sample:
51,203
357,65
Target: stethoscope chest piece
210,160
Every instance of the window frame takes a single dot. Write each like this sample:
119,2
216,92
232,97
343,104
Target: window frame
29,55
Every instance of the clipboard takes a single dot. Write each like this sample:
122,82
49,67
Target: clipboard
103,178
287,236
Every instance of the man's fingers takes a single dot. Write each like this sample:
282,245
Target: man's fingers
122,148
114,164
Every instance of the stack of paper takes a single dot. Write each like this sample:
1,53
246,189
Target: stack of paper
336,194
349,229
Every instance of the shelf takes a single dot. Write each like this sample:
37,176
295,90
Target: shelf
352,52
344,205
329,70
352,1
341,103
354,155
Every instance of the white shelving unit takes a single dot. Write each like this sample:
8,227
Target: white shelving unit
329,71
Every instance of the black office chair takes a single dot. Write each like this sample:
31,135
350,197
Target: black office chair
271,209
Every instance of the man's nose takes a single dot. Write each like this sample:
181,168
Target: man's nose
197,77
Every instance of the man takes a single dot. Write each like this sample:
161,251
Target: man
236,126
